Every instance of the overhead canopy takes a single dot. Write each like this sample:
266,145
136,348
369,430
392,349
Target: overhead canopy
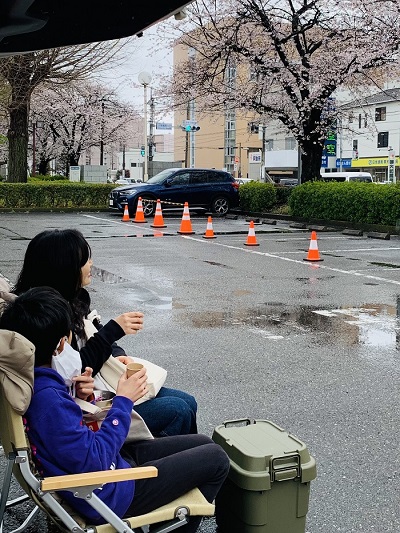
27,25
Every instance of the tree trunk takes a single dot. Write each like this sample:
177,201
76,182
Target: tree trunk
44,166
18,139
311,154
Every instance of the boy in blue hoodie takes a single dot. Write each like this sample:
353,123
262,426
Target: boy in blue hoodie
62,444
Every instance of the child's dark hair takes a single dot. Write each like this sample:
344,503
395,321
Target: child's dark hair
54,258
43,317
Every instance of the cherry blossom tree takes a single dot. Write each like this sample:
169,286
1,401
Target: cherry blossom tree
24,73
284,60
75,118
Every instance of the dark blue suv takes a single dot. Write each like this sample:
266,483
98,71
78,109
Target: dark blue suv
203,188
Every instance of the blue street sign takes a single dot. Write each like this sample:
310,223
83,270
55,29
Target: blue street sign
324,161
346,162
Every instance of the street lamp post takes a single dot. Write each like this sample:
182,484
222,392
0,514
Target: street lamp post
145,79
102,134
33,148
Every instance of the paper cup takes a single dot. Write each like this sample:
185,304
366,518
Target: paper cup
132,368
104,403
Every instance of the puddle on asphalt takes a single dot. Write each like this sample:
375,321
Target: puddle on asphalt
107,277
372,325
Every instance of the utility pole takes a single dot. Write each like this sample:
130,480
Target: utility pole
192,137
102,134
33,148
261,135
145,79
187,137
339,122
240,160
152,124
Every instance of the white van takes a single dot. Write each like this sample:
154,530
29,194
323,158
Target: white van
365,177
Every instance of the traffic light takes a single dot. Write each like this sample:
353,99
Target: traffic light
189,128
142,151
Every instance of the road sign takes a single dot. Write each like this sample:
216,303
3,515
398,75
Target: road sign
392,165
346,162
163,125
189,123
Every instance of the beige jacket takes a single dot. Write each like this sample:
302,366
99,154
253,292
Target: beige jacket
17,358
5,294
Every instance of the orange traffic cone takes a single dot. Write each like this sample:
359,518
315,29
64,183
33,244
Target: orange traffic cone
313,253
125,217
158,221
186,225
209,234
139,216
251,237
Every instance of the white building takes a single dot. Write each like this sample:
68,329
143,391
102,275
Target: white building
369,134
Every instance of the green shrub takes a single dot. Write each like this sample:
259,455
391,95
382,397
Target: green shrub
282,194
54,195
257,197
40,177
353,202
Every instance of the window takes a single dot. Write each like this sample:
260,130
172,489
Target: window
383,139
380,114
359,120
351,117
269,145
198,177
216,177
290,143
180,179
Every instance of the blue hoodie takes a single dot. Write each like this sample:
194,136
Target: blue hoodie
61,444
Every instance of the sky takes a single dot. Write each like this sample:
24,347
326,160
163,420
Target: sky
145,55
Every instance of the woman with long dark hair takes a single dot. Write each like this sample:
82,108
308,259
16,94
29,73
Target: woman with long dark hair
62,259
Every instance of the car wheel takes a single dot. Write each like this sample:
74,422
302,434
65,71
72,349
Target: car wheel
220,205
149,206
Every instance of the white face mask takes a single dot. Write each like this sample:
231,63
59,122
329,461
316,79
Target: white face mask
68,364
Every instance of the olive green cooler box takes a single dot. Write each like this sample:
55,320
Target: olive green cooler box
268,485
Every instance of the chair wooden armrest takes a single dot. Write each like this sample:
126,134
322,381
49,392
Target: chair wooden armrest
97,478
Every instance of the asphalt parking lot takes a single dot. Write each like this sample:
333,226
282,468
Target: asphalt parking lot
258,332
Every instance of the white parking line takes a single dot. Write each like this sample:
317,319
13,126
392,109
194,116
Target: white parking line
307,265
349,250
127,225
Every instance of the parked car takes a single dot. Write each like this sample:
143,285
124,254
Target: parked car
288,182
202,188
125,181
242,181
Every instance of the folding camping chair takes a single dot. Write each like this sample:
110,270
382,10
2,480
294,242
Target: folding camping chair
43,492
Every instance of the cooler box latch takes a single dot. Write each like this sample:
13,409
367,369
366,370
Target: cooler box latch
284,468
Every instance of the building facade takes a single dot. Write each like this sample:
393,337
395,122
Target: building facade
369,135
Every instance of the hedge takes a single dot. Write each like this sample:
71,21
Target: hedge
257,197
54,195
368,203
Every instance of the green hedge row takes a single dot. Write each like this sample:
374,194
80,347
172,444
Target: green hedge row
368,203
54,195
257,197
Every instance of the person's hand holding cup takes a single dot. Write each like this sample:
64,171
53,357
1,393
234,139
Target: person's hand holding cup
133,383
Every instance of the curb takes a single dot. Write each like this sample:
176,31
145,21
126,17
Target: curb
377,235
